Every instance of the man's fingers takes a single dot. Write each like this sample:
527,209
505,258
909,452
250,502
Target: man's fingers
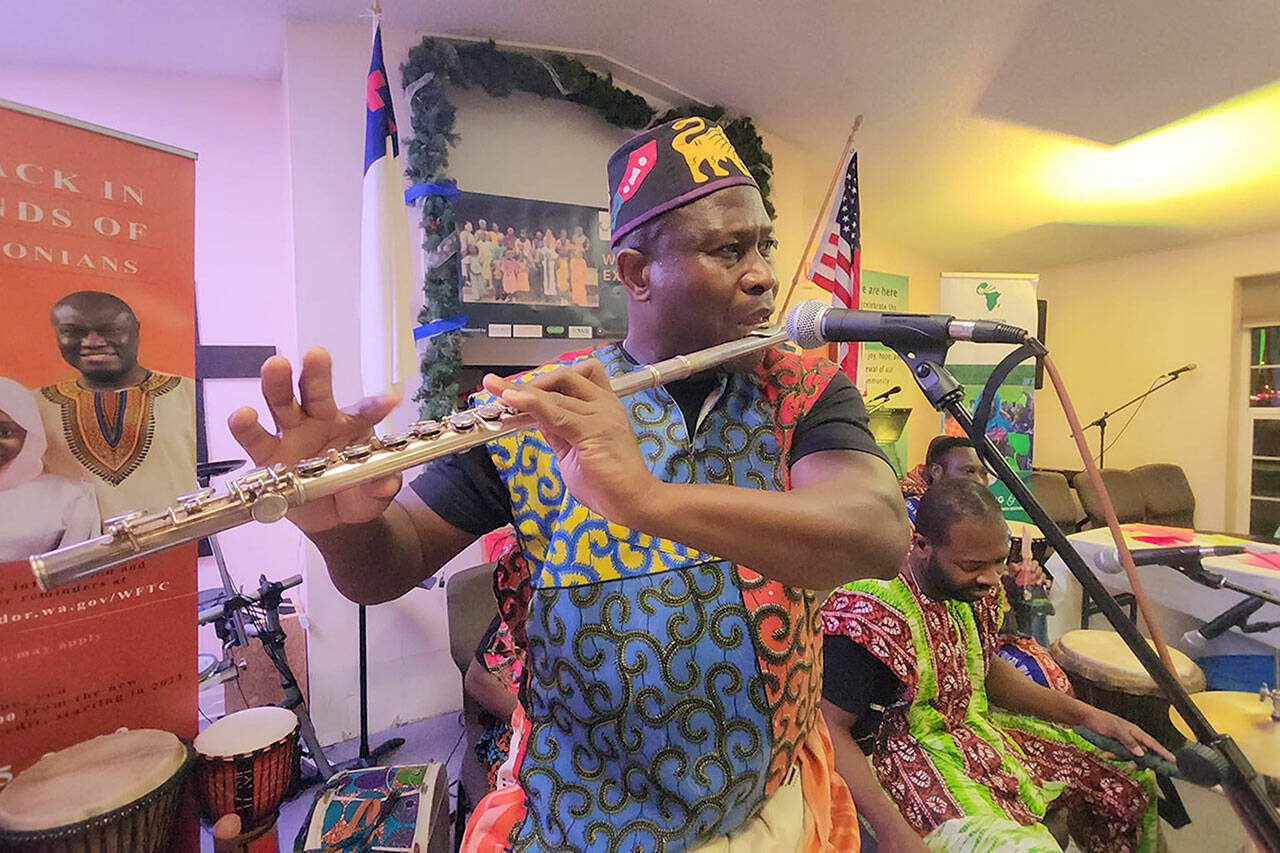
277,390
315,384
370,411
248,432
1130,742
556,419
574,383
555,411
512,392
383,488
585,380
1154,745
594,371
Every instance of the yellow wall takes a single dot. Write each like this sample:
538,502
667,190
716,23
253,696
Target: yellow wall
1113,326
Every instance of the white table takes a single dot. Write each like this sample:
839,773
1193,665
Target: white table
1169,588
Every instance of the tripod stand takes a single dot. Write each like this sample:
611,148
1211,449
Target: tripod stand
263,612
1101,422
264,622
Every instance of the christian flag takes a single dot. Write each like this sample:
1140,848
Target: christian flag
837,263
387,355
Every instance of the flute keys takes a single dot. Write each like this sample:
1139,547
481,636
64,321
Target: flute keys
395,442
357,453
124,518
491,412
122,525
313,467
426,429
192,501
462,421
268,508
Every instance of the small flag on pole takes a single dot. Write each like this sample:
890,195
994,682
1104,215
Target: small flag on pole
387,355
837,262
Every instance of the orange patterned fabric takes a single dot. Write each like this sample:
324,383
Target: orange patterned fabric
109,432
828,822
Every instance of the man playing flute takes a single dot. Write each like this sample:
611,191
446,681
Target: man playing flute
670,544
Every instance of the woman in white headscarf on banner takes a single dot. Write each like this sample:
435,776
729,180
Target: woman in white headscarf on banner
38,511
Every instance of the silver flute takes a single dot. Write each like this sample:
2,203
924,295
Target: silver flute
266,494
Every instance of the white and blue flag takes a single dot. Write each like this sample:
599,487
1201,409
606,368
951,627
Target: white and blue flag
387,354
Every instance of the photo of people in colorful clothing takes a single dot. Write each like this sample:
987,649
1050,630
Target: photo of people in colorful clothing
535,254
525,261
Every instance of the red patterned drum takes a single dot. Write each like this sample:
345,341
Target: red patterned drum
117,793
246,764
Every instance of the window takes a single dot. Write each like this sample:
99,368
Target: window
1264,425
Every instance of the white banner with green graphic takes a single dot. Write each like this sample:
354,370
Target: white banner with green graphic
880,368
1006,298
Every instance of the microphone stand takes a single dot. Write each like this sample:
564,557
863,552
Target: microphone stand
1195,570
1101,422
926,356
881,400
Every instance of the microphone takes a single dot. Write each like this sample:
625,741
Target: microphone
1186,368
1199,764
883,395
1108,560
1237,615
812,324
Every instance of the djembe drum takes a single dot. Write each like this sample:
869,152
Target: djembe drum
246,764
117,793
1107,675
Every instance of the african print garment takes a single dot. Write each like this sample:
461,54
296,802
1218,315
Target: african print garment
667,693
136,444
942,754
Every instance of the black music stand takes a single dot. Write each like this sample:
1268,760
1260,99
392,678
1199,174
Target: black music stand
369,757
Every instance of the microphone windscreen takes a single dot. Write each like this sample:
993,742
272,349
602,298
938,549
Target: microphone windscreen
1195,641
1108,560
804,324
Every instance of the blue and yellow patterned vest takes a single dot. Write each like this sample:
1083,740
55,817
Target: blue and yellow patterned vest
666,690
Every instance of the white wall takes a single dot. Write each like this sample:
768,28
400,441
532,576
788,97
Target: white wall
1113,326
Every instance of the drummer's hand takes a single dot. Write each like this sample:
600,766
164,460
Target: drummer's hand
1033,574
587,427
1117,728
308,429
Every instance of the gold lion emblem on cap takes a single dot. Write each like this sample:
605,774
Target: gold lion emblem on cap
702,146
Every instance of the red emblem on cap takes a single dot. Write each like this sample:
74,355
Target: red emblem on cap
639,165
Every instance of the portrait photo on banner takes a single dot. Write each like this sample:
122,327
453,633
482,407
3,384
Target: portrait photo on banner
97,399
538,263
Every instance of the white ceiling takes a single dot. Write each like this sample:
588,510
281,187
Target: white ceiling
980,144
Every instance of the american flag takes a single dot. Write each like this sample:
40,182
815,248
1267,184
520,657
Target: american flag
837,263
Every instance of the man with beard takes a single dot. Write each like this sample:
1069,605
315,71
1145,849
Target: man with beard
922,648
669,543
133,429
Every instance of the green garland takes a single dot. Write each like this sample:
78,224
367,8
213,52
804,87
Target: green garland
435,62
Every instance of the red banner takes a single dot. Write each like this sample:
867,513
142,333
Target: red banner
96,418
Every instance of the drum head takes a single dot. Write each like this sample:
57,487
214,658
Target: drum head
1103,658
245,731
90,779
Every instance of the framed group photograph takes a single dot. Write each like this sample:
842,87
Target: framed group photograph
537,269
